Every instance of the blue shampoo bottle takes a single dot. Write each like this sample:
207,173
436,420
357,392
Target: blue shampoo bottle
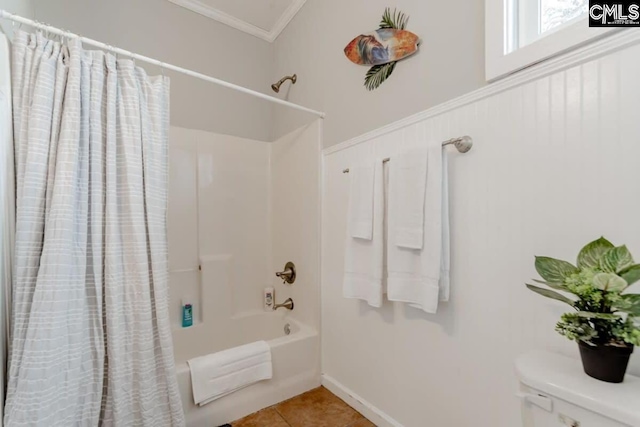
187,314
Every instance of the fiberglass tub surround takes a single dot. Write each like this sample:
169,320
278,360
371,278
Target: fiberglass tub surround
228,236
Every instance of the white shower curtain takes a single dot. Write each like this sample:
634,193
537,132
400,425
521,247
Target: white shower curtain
7,203
90,334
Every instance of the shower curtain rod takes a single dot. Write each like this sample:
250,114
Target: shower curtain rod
53,30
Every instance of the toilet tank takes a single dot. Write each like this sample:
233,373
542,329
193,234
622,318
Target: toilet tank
555,392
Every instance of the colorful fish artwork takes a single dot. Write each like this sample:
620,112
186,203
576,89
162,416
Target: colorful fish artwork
383,48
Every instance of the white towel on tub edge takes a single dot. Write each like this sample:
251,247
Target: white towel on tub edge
219,374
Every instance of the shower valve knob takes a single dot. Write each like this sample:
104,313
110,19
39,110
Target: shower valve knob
289,273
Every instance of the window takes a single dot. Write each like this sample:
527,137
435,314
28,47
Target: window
534,19
554,13
523,32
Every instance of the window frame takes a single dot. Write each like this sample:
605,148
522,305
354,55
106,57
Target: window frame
498,39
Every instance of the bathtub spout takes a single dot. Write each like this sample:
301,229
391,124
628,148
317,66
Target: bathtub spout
288,304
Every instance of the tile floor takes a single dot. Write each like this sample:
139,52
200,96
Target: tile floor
315,408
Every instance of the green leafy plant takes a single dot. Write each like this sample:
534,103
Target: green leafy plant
378,74
603,313
396,20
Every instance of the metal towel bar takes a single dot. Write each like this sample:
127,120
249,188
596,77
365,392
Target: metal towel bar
462,144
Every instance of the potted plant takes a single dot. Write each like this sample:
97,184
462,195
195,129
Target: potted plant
604,320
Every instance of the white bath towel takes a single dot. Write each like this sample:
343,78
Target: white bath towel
364,258
420,277
410,182
219,374
361,200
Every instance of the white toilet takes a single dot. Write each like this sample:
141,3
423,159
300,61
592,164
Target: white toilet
555,392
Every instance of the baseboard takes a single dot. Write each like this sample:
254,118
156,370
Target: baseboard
371,412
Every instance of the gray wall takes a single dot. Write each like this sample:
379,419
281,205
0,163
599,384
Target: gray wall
162,30
19,7
450,62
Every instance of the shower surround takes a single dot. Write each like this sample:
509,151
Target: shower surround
240,209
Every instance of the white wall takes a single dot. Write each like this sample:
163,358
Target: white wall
165,31
554,166
450,62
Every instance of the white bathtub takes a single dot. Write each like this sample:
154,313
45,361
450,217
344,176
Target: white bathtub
296,364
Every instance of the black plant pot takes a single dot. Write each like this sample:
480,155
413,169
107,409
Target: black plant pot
605,362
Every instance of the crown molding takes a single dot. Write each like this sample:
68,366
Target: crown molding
286,17
224,18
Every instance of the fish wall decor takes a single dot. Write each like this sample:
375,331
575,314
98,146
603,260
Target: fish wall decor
383,48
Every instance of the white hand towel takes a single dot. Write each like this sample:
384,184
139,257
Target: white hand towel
445,260
219,374
420,277
410,183
364,258
361,200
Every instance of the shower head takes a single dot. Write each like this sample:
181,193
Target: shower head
464,144
276,86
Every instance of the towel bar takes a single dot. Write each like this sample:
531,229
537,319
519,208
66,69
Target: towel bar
462,144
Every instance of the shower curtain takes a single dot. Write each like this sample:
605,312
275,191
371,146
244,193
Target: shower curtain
7,204
90,336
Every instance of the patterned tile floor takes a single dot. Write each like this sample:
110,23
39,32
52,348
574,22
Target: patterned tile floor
315,408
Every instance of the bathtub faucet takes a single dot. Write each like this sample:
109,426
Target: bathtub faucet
288,304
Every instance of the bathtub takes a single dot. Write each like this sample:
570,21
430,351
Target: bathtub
296,364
